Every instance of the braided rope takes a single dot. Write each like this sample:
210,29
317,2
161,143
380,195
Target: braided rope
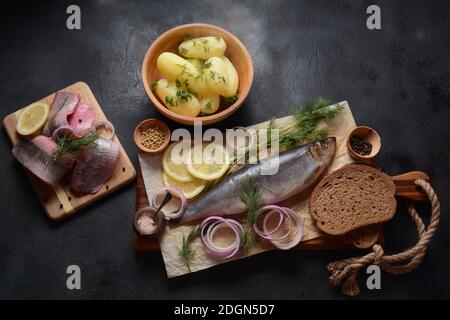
344,272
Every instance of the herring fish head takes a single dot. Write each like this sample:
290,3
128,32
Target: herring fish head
297,169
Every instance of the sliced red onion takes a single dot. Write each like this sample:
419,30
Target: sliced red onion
283,245
210,226
177,193
284,218
108,125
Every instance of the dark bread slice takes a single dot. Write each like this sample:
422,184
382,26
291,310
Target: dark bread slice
363,237
352,197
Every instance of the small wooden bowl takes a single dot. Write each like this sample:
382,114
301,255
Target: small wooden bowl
369,135
169,41
150,213
149,123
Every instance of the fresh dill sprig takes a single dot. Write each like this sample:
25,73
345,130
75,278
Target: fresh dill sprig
252,198
307,119
186,253
69,147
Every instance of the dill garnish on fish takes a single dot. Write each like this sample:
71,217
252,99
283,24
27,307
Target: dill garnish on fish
306,120
251,197
69,147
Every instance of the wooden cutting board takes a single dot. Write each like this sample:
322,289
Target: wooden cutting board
152,245
58,201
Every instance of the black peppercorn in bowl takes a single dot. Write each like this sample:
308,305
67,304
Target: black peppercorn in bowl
363,143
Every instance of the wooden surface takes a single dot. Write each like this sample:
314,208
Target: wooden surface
405,187
58,201
152,245
169,41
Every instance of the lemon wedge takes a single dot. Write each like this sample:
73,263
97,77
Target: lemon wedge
208,162
174,163
190,189
32,118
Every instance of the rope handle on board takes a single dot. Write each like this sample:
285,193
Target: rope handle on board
344,272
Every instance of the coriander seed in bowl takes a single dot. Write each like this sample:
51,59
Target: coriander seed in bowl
152,136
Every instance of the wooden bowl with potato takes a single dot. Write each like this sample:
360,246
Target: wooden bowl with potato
182,73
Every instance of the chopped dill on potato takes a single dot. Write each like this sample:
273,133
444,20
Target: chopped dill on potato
183,51
228,101
154,85
171,101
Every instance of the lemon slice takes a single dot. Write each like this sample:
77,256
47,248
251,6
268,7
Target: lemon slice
190,189
174,164
208,162
32,118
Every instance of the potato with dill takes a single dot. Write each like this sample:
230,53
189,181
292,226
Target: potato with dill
177,99
232,76
195,82
175,68
216,76
209,103
221,76
203,48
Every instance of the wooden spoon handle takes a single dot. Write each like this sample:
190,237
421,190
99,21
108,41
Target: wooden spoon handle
405,187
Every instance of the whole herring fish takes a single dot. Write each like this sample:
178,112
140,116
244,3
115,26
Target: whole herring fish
298,169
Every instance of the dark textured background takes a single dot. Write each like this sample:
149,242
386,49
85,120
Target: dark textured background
396,80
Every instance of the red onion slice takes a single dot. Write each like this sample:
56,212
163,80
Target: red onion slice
106,124
175,192
283,245
284,218
209,228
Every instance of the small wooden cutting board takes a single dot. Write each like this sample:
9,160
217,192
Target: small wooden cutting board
58,201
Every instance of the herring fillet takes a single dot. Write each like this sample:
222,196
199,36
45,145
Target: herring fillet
37,156
298,169
62,107
95,166
79,124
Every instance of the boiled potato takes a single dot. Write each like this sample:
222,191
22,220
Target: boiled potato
178,100
216,76
203,48
233,79
180,71
197,63
209,103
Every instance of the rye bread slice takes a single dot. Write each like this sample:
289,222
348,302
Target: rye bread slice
352,197
363,237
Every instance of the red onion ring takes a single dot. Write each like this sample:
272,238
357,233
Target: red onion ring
269,234
106,124
210,226
298,221
280,221
177,193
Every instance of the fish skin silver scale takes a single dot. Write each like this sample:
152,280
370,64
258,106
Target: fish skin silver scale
298,169
95,167
39,161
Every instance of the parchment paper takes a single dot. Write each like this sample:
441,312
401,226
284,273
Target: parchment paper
171,238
